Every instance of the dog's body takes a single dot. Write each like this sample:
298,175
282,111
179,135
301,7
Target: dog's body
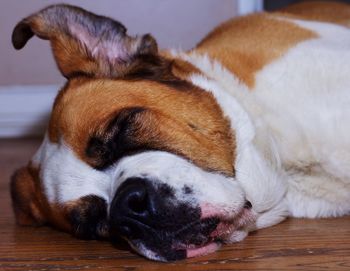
294,88
258,111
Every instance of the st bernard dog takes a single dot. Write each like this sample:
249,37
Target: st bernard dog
179,152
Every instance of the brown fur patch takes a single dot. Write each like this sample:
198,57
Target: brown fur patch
180,68
86,106
30,204
26,199
324,11
245,45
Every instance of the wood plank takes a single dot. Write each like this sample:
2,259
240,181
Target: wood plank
296,244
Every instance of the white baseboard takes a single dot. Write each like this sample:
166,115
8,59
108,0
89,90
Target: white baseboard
24,110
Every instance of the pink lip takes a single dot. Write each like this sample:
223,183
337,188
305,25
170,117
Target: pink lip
204,250
229,223
225,228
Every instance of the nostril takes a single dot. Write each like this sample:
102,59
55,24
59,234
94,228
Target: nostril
131,208
124,230
247,205
137,202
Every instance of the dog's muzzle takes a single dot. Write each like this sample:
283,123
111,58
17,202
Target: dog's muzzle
160,226
149,217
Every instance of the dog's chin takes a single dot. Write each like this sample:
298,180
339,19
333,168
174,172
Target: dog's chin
225,231
177,253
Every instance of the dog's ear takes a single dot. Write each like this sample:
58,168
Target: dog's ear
24,198
84,43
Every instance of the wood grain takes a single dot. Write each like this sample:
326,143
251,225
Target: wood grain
296,244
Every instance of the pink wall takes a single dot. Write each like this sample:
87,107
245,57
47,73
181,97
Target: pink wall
174,23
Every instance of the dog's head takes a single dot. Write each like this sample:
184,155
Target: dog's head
133,149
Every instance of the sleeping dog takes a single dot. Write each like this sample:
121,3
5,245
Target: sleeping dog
179,152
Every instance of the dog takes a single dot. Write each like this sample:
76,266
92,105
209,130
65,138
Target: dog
179,152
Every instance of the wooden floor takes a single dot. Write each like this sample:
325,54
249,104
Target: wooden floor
296,244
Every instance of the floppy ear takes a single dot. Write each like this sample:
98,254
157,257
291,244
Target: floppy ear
84,43
24,198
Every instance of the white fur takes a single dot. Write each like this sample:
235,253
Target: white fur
164,167
297,116
264,186
306,101
65,177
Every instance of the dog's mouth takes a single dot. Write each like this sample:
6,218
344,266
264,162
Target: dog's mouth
198,238
224,232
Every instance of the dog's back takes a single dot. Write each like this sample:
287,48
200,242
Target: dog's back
246,44
331,12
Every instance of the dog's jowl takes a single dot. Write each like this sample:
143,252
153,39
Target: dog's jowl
180,152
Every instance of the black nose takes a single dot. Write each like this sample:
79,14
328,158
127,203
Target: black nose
131,207
139,206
